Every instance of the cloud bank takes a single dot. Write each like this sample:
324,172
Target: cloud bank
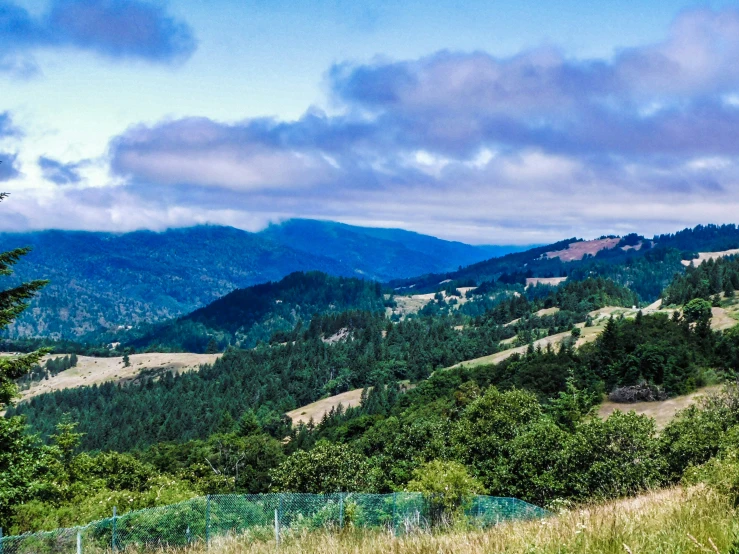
468,145
112,28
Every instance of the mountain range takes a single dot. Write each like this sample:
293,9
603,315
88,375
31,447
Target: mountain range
102,281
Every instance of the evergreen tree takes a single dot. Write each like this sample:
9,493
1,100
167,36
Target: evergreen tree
212,347
17,463
248,424
13,302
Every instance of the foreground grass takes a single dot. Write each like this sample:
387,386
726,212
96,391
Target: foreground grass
671,521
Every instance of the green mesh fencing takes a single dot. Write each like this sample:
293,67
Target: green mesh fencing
259,517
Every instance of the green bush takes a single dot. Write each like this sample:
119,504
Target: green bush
447,486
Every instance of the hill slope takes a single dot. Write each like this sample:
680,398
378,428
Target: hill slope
380,253
646,266
246,316
104,280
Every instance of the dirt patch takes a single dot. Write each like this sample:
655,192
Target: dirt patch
578,250
94,371
547,311
662,412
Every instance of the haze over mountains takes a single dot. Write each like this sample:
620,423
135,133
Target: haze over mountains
105,280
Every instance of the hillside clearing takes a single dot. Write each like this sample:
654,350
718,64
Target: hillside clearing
589,334
705,256
318,409
95,371
578,250
415,302
662,412
660,522
553,281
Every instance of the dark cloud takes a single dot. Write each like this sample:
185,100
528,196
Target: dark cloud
113,28
58,172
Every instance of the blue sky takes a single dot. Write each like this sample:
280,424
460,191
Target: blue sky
495,122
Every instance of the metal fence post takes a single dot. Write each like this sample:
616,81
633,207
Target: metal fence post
1,540
281,512
277,528
341,510
207,522
112,540
395,514
79,542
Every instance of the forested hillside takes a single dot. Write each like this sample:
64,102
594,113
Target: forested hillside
247,316
709,280
646,269
521,427
334,353
100,281
380,253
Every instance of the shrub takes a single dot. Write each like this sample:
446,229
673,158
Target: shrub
448,486
327,468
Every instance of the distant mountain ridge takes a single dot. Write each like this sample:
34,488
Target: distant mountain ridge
104,280
645,265
387,251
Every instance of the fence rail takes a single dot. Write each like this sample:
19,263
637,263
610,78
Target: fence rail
258,517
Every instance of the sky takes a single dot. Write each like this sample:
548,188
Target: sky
495,122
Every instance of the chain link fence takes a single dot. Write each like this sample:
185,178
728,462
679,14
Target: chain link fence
259,517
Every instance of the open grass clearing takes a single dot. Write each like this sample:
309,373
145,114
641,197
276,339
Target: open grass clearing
414,303
662,412
318,409
705,256
578,250
95,371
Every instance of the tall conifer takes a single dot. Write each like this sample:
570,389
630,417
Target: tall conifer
13,302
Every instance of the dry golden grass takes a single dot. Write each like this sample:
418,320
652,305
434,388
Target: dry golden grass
318,409
589,334
662,412
704,256
664,522
95,371
414,303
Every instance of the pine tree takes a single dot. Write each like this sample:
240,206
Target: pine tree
18,454
212,347
13,302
